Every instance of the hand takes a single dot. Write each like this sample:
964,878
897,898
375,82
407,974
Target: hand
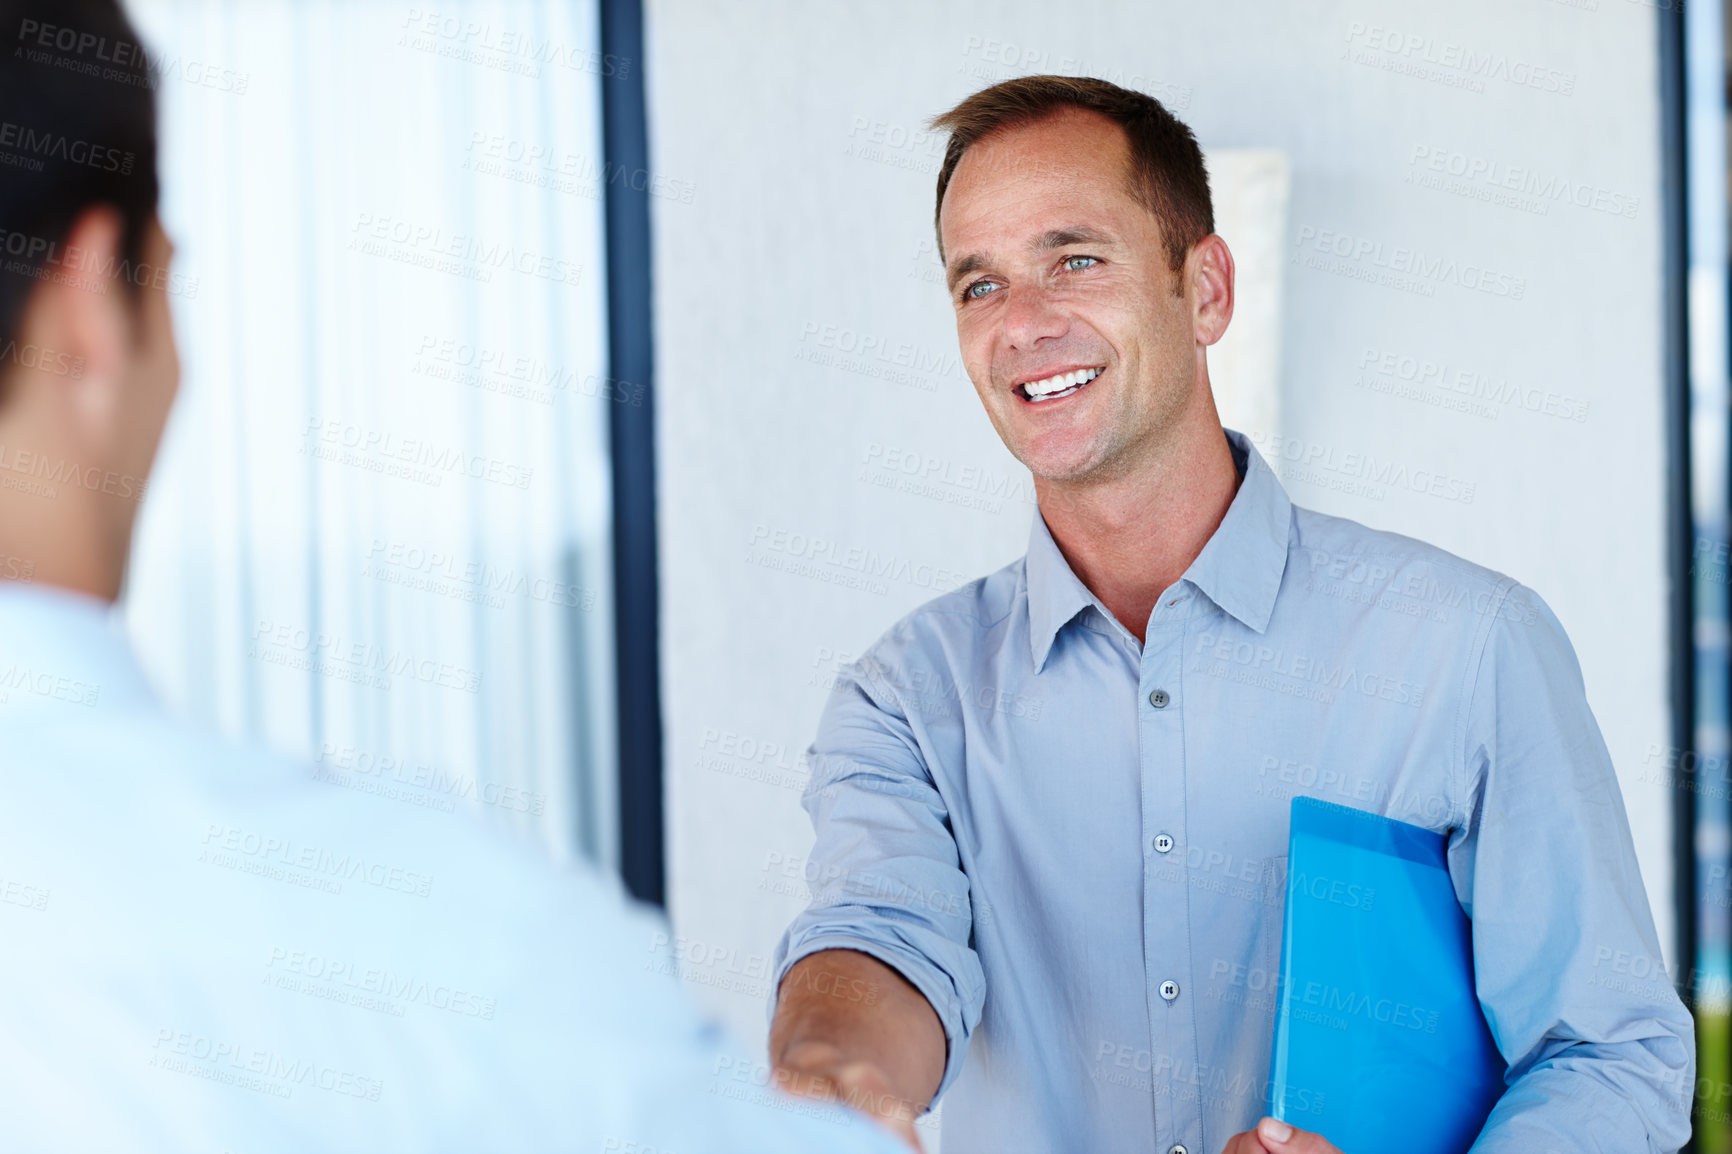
1272,1137
861,1085
850,1028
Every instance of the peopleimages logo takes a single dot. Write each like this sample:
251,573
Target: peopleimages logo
1374,472
1430,58
225,842
426,245
412,458
1495,176
1363,258
53,472
337,974
254,1068
1462,388
1327,999
57,146
1299,668
43,683
868,346
87,268
1335,891
893,466
481,42
87,54
34,356
828,560
274,641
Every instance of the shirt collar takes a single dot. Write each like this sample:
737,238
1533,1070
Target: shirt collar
1239,569
64,655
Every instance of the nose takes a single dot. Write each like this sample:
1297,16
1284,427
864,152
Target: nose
1030,315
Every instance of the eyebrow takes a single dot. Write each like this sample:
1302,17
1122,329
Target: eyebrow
1045,242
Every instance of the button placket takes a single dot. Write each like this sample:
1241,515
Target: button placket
1166,932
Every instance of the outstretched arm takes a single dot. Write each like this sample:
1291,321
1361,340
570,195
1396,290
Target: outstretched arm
879,987
846,1021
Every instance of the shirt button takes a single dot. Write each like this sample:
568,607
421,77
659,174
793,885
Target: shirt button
1178,1150
1163,843
1159,699
1169,990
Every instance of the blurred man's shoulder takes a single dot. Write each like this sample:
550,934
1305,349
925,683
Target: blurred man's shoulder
423,852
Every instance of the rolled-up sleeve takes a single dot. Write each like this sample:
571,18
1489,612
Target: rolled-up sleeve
884,873
1568,965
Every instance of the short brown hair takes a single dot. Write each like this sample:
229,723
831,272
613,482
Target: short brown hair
1167,175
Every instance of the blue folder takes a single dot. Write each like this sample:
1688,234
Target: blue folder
1380,1044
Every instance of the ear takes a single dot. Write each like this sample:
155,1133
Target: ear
1209,274
82,309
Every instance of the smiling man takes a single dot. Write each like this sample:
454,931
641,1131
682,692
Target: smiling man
1069,919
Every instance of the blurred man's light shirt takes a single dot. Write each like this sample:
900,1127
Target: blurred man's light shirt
202,949
1075,845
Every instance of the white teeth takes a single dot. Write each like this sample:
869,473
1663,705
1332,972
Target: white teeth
1060,383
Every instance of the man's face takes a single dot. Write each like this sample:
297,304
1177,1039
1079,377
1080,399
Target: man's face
1053,270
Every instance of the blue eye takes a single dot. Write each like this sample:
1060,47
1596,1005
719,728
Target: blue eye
1070,262
972,291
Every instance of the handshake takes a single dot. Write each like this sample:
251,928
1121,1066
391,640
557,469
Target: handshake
884,1054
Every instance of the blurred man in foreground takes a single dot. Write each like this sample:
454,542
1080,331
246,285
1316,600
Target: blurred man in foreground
200,948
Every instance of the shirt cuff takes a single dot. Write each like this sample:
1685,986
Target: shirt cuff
934,985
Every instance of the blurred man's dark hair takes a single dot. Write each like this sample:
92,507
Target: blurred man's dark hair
77,131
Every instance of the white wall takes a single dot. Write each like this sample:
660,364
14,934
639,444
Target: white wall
798,126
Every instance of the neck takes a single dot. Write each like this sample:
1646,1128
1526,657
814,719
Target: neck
1129,538
52,527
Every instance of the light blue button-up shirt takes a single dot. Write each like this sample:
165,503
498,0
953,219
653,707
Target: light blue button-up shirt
1075,845
204,949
